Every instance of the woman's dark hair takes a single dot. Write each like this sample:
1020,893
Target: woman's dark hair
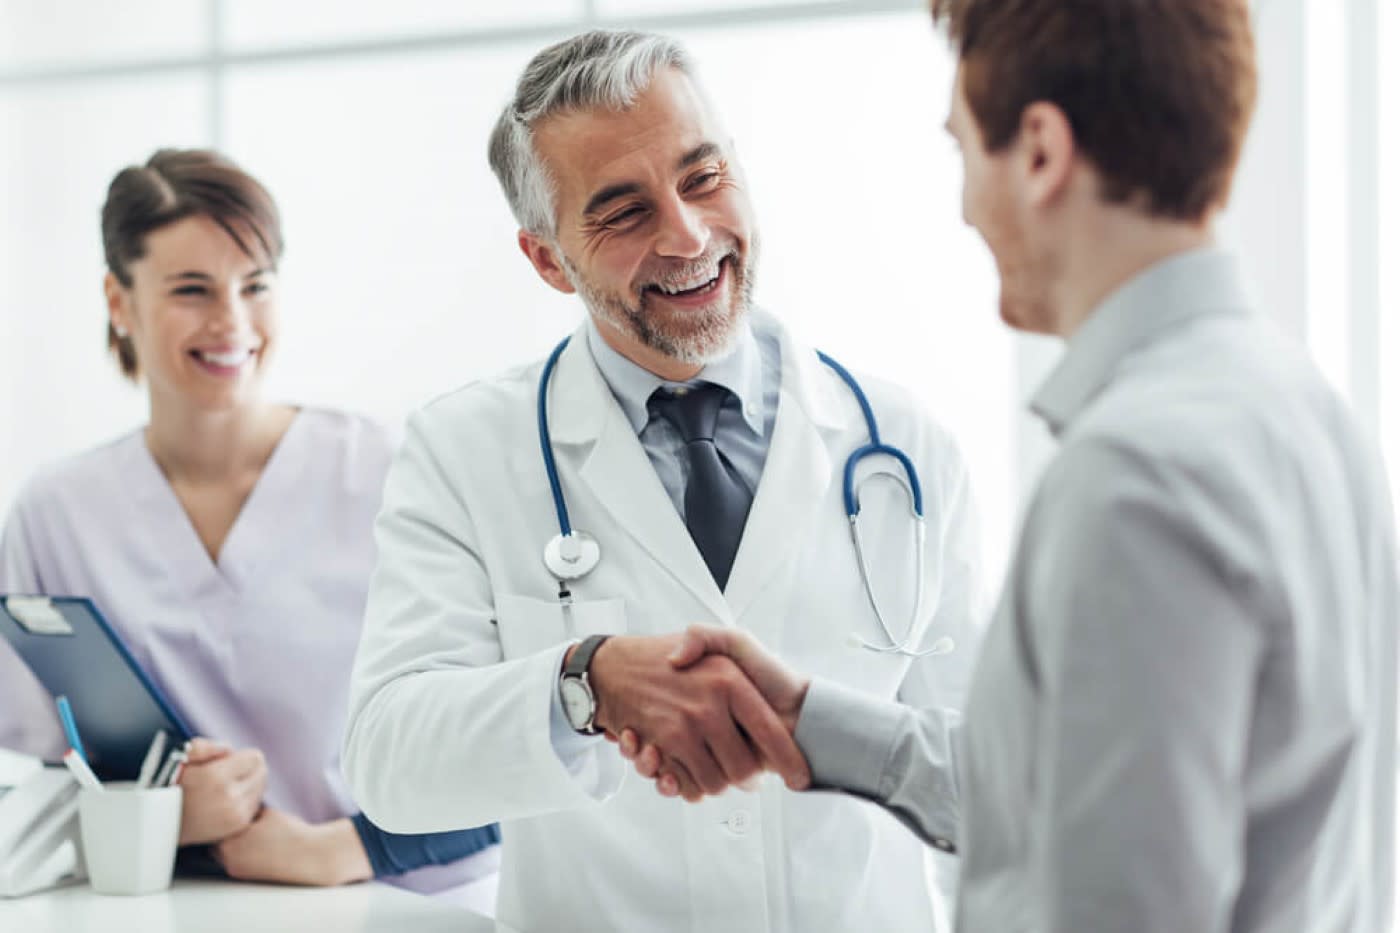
172,185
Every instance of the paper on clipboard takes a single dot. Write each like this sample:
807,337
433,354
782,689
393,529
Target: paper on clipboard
37,615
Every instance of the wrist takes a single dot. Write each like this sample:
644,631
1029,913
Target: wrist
338,853
597,681
793,710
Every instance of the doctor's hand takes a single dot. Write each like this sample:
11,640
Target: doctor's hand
281,848
222,788
783,690
706,720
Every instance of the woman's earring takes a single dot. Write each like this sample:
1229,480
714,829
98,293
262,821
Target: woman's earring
122,333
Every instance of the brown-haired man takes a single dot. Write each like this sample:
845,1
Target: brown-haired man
1184,715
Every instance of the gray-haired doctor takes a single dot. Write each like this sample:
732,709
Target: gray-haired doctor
547,534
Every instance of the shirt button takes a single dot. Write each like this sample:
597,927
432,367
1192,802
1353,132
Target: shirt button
943,845
752,409
738,822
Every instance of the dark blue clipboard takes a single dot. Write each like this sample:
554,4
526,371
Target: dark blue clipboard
116,706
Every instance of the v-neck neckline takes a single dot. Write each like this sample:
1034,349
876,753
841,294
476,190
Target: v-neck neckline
243,546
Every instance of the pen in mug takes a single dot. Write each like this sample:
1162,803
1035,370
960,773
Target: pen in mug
174,778
174,763
80,770
152,760
166,767
70,727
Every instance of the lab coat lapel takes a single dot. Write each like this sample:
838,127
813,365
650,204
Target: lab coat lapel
593,437
796,474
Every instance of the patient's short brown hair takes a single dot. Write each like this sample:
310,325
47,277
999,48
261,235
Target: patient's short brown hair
1159,92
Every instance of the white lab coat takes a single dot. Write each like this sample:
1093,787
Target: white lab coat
450,698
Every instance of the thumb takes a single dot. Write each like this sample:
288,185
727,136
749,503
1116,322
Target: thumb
695,644
202,750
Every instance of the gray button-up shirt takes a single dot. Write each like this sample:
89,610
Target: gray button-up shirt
1184,717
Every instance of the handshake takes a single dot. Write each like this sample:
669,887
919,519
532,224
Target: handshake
701,711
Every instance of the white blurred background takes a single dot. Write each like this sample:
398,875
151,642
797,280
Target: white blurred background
368,121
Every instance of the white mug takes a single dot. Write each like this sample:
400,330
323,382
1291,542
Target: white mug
129,836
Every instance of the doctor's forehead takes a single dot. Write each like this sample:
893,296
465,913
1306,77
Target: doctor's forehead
670,120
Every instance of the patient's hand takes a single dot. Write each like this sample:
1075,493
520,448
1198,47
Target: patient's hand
222,788
784,691
707,720
281,848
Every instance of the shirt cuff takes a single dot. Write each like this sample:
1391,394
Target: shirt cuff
570,745
847,737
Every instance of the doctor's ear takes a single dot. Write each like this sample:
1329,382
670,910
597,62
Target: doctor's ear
544,256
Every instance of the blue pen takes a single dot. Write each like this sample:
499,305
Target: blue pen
70,727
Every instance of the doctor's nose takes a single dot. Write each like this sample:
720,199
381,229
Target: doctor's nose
682,231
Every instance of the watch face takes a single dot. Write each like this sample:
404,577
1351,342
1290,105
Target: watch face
578,702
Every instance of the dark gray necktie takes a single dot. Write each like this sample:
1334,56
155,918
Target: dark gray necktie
716,499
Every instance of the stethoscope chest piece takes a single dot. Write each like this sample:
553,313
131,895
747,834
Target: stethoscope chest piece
571,557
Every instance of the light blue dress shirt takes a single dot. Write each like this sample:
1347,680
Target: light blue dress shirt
753,373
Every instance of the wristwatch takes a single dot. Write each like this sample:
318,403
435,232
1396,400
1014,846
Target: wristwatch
576,693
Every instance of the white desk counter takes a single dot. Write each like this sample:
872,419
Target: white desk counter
213,906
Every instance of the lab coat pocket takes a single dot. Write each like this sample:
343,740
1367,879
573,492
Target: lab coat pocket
528,625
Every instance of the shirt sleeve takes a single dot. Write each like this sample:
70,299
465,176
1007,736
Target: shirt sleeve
1146,646
939,683
897,757
28,721
431,664
398,853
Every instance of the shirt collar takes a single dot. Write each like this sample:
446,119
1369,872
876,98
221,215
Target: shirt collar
1140,313
741,372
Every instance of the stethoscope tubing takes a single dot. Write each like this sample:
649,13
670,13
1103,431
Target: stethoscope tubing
849,490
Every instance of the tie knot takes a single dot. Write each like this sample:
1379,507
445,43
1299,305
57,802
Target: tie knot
693,411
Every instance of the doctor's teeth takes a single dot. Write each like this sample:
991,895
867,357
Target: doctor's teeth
693,285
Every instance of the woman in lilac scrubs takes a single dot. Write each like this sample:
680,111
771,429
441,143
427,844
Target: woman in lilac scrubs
229,542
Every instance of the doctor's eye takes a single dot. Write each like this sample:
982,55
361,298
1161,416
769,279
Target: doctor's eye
624,218
704,180
188,290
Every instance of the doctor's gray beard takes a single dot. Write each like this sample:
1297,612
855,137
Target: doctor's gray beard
707,336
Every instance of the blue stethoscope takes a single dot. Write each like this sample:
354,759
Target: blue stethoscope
572,554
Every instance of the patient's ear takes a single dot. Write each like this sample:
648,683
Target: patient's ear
544,256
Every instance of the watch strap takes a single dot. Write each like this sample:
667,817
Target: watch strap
577,665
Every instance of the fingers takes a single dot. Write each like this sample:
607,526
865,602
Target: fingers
202,749
222,795
734,754
708,776
648,761
244,764
628,744
684,785
698,641
769,736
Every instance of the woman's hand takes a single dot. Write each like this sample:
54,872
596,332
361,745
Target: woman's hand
279,847
223,790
